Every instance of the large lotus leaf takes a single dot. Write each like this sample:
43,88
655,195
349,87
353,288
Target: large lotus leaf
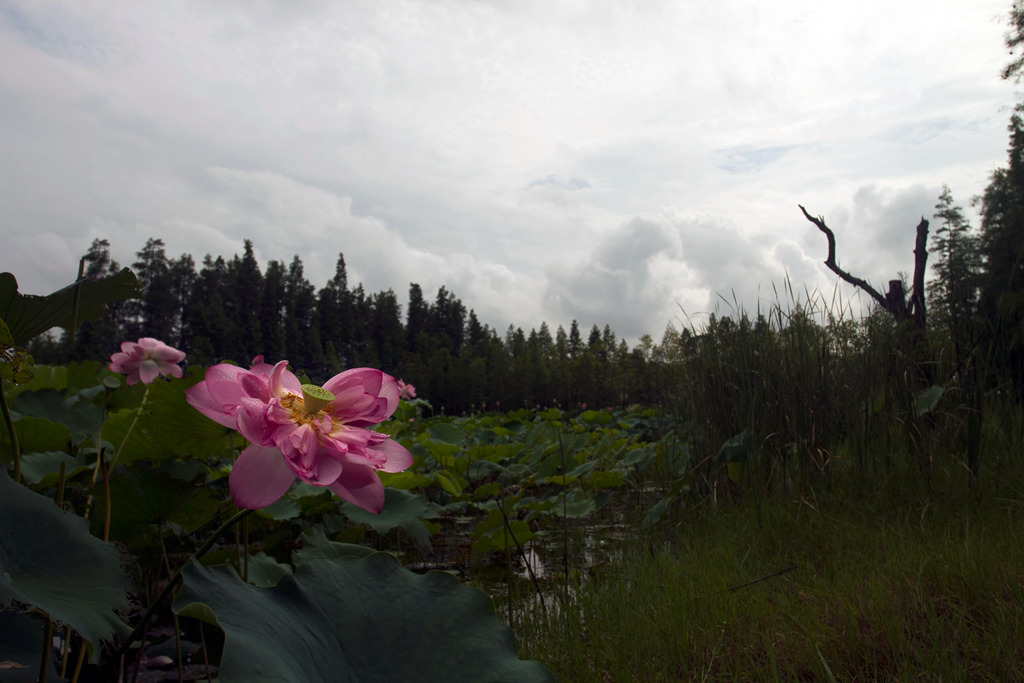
73,376
28,316
167,426
400,508
44,468
48,560
35,434
316,546
265,571
133,443
81,417
657,511
448,433
641,458
928,399
185,430
140,499
405,480
354,619
735,449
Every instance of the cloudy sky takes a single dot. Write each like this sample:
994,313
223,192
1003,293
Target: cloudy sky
613,162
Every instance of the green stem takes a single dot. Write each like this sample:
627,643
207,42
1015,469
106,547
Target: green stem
106,496
76,302
44,664
138,412
14,435
176,579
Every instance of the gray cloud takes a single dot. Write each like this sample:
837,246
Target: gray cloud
615,285
551,180
745,159
612,162
875,233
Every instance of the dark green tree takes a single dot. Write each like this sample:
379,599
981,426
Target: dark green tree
155,315
386,331
207,322
334,312
271,305
301,330
417,317
246,288
1002,238
183,276
954,289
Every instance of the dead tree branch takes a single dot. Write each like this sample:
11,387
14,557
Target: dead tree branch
834,267
894,301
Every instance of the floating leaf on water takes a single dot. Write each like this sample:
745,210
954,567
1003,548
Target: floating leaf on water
448,433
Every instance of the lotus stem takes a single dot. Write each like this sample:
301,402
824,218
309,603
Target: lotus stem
44,664
76,302
61,481
176,579
14,435
106,496
138,412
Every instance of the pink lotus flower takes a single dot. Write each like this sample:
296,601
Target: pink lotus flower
145,360
406,392
318,435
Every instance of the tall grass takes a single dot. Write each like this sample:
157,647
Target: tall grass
884,586
855,513
804,382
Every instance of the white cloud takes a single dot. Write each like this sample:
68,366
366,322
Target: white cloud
517,153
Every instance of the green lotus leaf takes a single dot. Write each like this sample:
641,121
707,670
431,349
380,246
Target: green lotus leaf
28,316
81,417
354,619
49,561
400,509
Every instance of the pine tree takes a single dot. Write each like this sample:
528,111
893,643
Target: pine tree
207,323
155,315
334,313
182,279
386,330
246,283
1002,238
301,332
272,312
417,318
954,290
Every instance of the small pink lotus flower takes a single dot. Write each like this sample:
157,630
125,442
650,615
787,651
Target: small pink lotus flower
316,434
145,360
406,392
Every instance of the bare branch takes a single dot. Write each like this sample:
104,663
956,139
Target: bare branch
834,267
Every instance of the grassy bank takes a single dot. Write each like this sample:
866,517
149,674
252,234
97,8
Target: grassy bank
892,585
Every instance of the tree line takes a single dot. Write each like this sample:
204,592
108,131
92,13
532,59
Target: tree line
230,309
